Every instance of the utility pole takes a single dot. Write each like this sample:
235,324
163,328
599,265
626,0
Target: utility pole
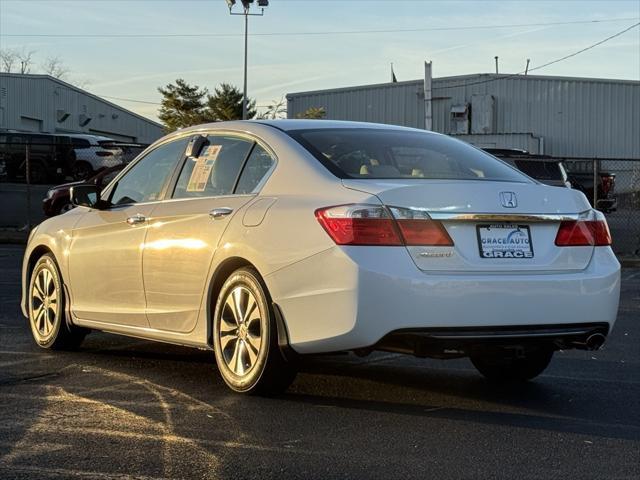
428,115
496,57
246,5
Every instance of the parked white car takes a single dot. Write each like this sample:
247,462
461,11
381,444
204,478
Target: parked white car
93,153
266,240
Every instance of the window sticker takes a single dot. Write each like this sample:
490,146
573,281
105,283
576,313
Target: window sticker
202,169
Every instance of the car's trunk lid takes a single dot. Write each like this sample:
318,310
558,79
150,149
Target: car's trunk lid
485,217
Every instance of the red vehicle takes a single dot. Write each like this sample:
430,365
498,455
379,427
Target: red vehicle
58,200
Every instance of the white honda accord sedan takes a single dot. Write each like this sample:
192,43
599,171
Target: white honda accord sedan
266,240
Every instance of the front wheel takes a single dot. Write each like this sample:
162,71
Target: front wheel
47,310
245,337
508,367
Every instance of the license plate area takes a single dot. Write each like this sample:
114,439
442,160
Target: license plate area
504,240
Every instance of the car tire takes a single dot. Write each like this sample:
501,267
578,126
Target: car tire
506,367
245,337
46,308
82,170
65,207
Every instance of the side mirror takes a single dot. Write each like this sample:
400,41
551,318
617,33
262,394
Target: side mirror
194,147
85,195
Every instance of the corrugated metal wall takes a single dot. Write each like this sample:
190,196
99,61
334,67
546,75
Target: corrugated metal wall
575,117
38,102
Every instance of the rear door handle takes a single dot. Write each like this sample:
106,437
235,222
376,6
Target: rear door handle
137,219
220,212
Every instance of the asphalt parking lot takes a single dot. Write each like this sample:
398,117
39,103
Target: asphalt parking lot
126,408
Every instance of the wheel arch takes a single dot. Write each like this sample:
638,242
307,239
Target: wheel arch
34,255
220,275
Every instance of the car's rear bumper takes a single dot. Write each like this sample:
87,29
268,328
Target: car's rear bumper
350,298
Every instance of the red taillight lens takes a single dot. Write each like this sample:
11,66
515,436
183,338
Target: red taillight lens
424,233
608,183
359,225
583,233
377,225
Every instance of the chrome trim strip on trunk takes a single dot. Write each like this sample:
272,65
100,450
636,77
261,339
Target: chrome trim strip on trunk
500,217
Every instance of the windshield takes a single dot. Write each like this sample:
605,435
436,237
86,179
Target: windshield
398,154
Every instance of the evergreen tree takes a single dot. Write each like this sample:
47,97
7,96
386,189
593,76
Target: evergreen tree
182,105
226,104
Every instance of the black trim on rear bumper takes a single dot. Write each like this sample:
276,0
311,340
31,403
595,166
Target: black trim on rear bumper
461,341
503,332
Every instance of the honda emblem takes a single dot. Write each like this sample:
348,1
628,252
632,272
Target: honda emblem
508,199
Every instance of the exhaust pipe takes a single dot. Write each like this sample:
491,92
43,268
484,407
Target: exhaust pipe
595,341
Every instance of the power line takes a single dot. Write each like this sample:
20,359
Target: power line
468,84
128,99
317,33
147,101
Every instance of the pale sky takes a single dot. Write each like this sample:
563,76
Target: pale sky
133,68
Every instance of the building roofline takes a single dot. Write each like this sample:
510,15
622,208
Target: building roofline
39,76
487,76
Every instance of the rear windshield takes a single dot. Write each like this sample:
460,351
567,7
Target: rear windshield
395,154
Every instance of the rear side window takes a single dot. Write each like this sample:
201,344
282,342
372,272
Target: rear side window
258,165
80,143
215,171
395,154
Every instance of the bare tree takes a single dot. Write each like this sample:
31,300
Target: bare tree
55,67
277,109
26,60
8,59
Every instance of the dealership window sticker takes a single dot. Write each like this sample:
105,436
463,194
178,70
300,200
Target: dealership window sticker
202,169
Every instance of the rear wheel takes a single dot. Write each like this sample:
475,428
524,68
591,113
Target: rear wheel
507,367
245,337
47,308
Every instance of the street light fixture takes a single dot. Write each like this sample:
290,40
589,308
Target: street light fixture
246,5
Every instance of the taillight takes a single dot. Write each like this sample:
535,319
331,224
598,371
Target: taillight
608,183
588,232
418,229
359,225
377,225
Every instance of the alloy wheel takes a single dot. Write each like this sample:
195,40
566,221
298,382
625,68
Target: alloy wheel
240,331
45,302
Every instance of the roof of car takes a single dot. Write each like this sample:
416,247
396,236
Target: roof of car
293,124
303,124
86,136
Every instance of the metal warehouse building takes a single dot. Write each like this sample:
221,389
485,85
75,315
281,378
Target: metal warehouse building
559,116
41,103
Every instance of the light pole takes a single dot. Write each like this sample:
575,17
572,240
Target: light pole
246,5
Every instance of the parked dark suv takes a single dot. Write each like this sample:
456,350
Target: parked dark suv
51,157
552,171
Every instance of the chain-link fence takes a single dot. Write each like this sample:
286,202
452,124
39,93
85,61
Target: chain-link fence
617,194
31,164
34,171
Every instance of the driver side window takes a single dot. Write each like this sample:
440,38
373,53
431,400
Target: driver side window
146,179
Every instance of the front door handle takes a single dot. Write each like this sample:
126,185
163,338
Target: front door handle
137,219
220,212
